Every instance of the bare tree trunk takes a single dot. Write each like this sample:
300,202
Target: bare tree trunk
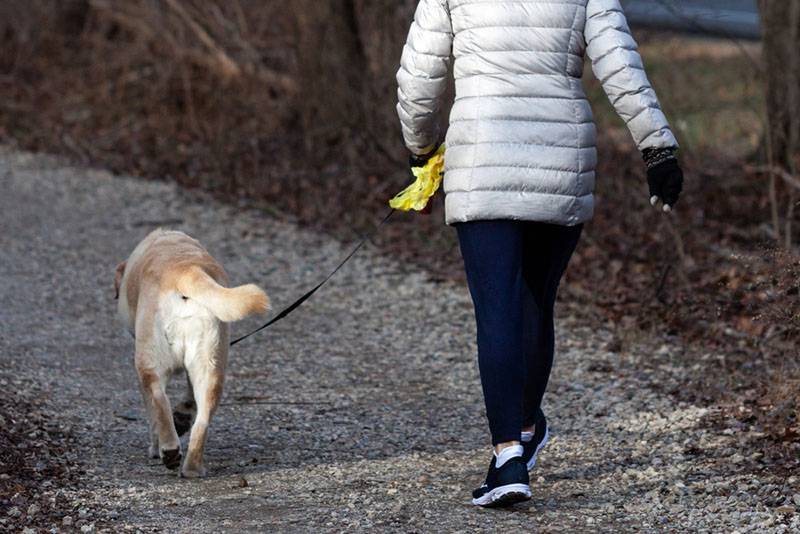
781,21
331,66
781,24
348,54
384,25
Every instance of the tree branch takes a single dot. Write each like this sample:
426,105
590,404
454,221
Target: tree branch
777,171
229,68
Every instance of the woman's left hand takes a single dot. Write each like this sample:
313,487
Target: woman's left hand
665,178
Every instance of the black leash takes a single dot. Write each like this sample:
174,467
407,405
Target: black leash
296,304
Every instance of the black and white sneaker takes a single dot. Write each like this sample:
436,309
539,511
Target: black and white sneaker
505,485
531,448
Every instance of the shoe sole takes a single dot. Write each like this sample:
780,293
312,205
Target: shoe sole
545,439
504,496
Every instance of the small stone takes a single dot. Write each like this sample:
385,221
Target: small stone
785,509
14,512
66,521
83,513
796,499
88,528
243,482
28,530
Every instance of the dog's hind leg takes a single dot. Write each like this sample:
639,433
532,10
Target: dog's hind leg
153,450
184,412
152,428
207,377
162,430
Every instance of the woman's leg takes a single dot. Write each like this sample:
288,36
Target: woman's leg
492,252
547,251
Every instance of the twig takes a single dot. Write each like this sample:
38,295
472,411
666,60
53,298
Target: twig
778,171
240,401
228,66
773,204
220,17
773,186
187,91
668,5
662,284
131,22
242,19
270,77
790,219
679,249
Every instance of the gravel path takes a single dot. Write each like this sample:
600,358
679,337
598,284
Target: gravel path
360,412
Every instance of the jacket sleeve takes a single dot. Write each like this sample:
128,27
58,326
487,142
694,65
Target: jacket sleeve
422,78
617,64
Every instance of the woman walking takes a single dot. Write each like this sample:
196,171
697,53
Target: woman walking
519,177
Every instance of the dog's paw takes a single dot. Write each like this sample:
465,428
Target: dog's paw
182,416
183,422
171,458
193,471
152,452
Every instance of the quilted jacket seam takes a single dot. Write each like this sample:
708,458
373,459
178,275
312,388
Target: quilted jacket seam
576,114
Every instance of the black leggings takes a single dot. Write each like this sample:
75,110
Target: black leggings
513,269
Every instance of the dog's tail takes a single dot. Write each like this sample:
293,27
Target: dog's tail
227,304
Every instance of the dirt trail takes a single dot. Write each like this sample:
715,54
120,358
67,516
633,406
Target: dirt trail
360,412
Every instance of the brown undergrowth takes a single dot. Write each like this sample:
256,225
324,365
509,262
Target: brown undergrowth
39,464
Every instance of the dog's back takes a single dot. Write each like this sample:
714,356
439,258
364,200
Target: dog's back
172,274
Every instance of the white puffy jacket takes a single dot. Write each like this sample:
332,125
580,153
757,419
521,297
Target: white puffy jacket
522,141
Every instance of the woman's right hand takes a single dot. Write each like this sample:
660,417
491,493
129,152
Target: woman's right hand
420,160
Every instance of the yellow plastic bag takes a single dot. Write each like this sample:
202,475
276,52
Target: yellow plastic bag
428,179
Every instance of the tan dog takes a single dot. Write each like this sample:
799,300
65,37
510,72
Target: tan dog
174,300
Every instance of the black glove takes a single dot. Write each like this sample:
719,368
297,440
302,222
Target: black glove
664,176
420,160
